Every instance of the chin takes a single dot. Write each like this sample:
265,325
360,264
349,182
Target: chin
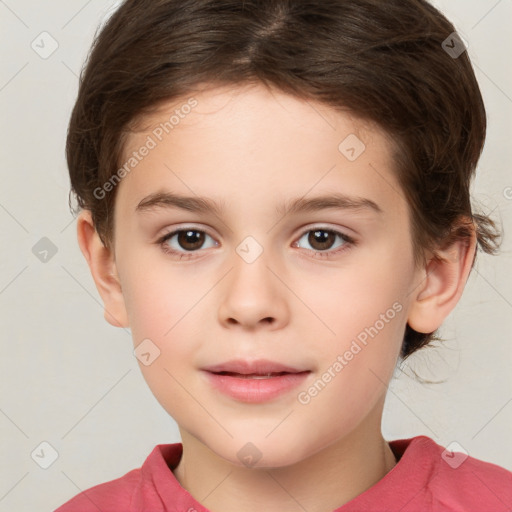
261,453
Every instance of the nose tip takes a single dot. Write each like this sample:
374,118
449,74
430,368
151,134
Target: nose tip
251,298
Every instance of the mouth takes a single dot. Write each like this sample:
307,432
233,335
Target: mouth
259,367
254,381
255,375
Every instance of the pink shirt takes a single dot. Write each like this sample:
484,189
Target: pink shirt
426,478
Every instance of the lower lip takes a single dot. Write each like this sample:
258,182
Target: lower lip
254,390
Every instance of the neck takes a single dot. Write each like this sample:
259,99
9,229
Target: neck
322,482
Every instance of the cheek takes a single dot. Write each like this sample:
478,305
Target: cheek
166,316
164,307
371,291
158,301
365,309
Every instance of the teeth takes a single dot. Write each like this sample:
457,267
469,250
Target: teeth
253,376
268,376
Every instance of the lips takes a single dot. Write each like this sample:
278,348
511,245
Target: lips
257,368
254,381
251,375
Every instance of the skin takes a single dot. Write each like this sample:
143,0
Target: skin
253,149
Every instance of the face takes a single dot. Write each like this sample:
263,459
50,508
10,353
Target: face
315,295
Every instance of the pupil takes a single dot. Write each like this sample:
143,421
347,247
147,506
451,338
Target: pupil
321,238
194,238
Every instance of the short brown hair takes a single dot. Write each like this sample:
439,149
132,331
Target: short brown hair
383,61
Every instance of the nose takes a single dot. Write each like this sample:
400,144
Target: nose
253,296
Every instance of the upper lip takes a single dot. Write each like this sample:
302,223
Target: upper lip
257,367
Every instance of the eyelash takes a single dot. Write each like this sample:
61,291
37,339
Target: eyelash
349,243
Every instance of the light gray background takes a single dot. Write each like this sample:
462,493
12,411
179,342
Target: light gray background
70,379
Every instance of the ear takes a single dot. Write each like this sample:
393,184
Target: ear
442,282
102,265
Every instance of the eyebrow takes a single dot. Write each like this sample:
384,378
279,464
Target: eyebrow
163,200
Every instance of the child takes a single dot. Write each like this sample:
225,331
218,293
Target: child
275,199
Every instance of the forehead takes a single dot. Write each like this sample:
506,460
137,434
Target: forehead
228,139
253,106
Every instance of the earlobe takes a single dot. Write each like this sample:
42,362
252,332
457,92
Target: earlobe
440,285
103,269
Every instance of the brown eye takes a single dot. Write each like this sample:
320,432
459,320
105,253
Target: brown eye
185,240
323,242
321,239
190,239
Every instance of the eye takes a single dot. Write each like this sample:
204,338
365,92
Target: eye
190,240
323,239
183,243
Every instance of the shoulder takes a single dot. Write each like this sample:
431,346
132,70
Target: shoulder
460,482
139,488
107,497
